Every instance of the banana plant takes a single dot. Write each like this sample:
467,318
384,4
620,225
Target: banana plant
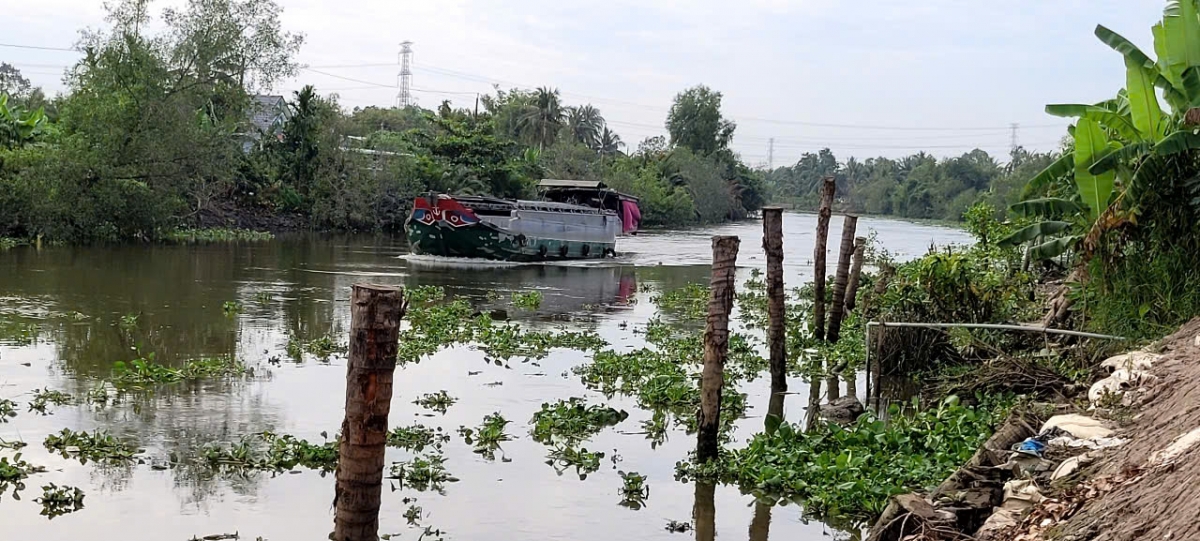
15,130
1122,142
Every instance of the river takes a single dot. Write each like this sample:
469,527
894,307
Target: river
59,314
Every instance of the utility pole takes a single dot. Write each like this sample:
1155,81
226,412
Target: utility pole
404,98
771,154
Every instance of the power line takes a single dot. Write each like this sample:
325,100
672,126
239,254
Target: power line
351,79
38,47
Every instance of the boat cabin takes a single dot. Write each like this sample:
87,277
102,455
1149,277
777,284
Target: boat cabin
593,193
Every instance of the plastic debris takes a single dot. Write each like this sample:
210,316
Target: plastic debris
1078,426
1177,448
1131,361
1118,383
1031,446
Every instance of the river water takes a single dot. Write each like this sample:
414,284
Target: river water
59,314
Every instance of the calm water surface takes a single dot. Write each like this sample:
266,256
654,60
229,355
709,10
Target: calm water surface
59,309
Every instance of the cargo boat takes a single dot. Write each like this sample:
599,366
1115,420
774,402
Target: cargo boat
572,220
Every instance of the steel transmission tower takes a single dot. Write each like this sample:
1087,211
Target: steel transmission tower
771,154
1016,142
404,97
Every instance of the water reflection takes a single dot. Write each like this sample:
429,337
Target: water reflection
67,314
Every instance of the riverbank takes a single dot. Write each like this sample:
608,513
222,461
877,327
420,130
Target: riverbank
1116,465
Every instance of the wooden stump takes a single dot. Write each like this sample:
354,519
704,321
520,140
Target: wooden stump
716,345
841,279
860,246
375,313
828,187
776,338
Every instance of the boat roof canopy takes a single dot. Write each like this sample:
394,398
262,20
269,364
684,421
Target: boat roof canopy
582,184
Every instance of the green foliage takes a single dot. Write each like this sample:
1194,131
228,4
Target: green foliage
572,420
417,437
321,347
585,462
17,127
851,471
916,186
439,401
208,235
46,397
57,501
695,121
8,409
98,446
14,471
634,490
143,371
268,451
486,437
231,308
529,300
689,302
427,472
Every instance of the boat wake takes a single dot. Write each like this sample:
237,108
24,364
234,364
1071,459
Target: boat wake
442,262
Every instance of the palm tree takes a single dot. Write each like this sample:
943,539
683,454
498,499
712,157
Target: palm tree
610,143
585,123
542,118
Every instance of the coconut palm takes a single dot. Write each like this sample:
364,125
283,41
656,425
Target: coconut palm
542,118
609,143
585,123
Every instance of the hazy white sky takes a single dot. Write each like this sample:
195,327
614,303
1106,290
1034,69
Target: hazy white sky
953,74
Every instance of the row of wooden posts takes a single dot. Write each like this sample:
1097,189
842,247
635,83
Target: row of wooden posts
376,311
721,286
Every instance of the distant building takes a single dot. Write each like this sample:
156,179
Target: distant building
267,115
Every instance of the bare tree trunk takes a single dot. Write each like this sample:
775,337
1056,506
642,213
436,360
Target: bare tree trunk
1059,304
851,383
716,345
840,280
375,313
886,271
776,339
814,404
828,186
833,384
860,246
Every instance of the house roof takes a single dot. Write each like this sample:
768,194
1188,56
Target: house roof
268,112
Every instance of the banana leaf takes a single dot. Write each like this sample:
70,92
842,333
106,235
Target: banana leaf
1034,231
1050,207
1177,142
1127,153
1058,168
1053,247
1090,145
1191,85
1121,124
1181,32
1124,46
1170,73
1143,102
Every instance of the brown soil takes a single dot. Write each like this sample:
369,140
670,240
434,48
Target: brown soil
1127,495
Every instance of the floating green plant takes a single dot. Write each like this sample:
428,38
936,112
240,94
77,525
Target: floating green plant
439,401
417,437
97,446
425,472
634,490
44,398
572,420
57,501
529,300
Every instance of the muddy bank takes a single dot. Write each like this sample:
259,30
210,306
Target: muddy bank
1122,465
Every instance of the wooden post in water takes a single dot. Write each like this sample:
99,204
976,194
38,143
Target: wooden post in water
776,337
375,313
828,187
716,345
704,511
841,279
860,246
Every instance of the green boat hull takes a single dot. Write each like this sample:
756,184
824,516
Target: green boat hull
486,241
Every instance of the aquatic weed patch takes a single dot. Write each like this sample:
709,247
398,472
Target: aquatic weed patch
268,451
851,471
529,300
486,438
425,472
417,437
8,409
44,398
216,234
144,371
58,501
439,401
634,490
322,347
689,302
563,457
98,446
572,420
15,470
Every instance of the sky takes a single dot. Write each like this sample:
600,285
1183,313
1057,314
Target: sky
866,78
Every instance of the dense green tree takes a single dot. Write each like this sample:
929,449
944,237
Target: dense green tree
542,117
585,125
695,121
